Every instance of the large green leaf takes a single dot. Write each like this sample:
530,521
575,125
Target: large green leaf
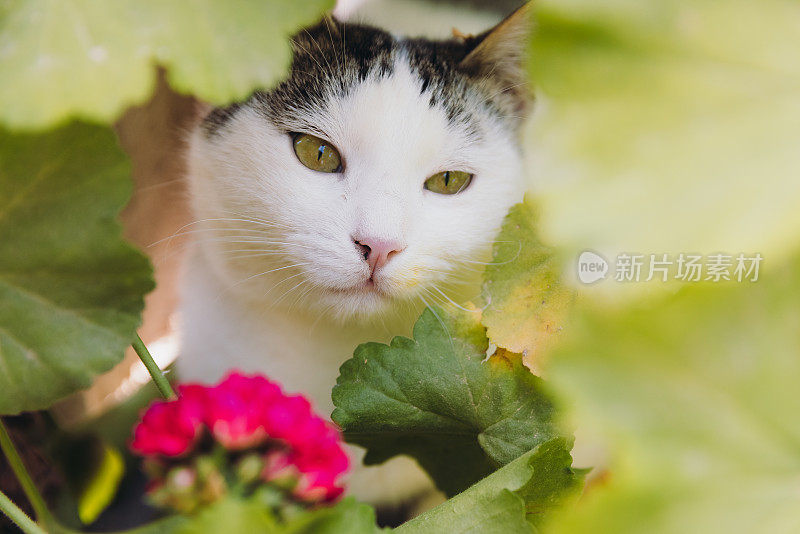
438,399
668,126
71,290
512,500
526,299
93,58
697,396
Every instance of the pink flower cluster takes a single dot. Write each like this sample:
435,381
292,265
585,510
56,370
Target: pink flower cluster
249,412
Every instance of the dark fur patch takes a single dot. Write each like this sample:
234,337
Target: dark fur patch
218,117
332,57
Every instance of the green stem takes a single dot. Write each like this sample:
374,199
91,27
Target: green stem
34,497
159,379
19,517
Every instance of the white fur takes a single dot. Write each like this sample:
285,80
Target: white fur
259,210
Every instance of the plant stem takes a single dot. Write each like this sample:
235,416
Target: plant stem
34,497
19,517
159,379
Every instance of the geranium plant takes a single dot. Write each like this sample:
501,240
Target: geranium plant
243,435
663,126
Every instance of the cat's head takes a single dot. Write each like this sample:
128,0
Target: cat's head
378,172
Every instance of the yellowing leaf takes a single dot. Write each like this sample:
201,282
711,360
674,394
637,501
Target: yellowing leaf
103,485
526,300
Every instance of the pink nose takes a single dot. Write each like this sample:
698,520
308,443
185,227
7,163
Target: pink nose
378,251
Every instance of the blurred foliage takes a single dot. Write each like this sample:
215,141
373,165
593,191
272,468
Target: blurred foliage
672,126
697,395
233,515
92,59
71,289
668,125
349,516
236,515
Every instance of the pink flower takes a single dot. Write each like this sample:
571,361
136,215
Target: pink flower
316,460
169,428
302,453
234,412
321,466
287,418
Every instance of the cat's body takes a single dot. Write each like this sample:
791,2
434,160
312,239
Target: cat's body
291,268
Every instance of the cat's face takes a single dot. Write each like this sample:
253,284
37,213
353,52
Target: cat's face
328,190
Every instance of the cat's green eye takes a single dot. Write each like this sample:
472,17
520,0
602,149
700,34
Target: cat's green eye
317,154
448,182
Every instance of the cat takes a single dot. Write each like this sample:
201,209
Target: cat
331,209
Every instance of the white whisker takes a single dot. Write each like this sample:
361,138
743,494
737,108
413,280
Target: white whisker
267,272
451,301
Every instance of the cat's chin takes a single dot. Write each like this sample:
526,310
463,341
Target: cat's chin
363,303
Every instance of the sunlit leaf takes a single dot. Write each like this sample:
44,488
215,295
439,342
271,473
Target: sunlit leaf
93,58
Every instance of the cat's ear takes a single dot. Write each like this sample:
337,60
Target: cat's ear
499,55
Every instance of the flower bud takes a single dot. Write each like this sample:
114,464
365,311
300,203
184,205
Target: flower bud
249,468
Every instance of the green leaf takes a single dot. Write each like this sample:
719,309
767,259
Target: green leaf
526,300
514,499
697,396
553,481
435,398
347,517
668,126
71,290
92,59
241,515
168,525
232,515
